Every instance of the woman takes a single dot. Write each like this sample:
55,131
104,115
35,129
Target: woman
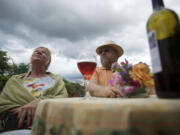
22,93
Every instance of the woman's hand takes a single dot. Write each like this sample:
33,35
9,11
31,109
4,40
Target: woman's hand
28,111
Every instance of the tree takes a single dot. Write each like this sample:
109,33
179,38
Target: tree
18,68
12,69
73,89
4,65
7,69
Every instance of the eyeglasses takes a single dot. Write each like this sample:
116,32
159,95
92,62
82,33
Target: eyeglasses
104,50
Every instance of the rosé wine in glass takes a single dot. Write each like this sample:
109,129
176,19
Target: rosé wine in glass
87,69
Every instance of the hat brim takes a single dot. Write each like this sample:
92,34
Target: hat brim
117,47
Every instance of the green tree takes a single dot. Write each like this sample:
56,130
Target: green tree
18,68
12,69
73,89
4,65
7,69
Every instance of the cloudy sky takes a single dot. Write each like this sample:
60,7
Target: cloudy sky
70,27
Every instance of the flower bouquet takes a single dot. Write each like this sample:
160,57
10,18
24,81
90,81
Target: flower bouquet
132,80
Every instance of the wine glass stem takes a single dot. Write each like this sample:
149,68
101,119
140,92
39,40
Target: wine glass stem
87,88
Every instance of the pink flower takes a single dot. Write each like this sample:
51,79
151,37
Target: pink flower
128,89
111,82
118,78
122,63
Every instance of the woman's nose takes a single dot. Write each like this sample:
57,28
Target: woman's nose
38,52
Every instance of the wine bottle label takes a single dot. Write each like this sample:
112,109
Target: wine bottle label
154,50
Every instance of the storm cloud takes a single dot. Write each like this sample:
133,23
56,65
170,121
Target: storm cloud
69,27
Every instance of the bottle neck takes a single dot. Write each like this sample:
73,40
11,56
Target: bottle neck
157,4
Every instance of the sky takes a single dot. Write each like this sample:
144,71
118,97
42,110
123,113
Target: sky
70,28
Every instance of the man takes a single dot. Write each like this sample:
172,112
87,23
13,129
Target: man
99,83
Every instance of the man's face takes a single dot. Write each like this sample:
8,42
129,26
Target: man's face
108,56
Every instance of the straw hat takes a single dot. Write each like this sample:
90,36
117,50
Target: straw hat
110,44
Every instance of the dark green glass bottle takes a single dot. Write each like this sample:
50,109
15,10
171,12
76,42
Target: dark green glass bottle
163,30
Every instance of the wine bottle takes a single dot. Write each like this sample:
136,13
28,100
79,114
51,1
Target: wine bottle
163,30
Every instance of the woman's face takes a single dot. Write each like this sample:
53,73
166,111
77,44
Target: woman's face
40,55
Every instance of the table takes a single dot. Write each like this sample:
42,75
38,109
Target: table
107,116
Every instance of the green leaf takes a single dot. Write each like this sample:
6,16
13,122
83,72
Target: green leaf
119,70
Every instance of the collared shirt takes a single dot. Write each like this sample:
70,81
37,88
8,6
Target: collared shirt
102,75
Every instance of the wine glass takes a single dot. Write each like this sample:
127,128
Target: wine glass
87,64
